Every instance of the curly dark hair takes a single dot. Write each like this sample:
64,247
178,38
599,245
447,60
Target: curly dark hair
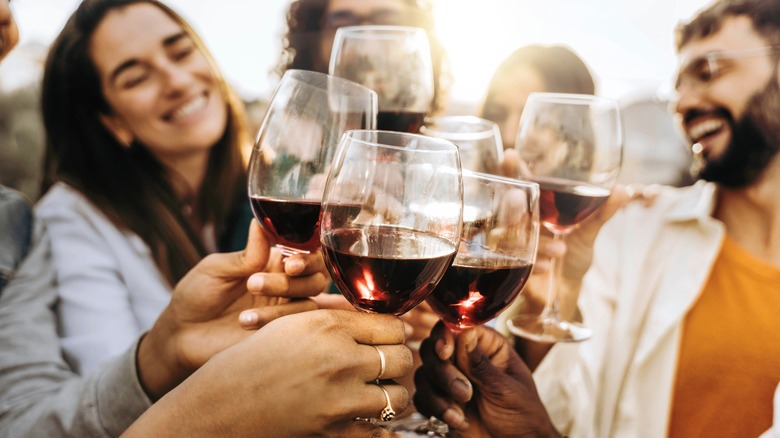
306,29
765,15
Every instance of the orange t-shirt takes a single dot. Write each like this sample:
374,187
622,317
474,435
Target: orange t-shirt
729,362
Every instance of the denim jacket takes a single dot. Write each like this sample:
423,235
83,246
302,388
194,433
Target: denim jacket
15,232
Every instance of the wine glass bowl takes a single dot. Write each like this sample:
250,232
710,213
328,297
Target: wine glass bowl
478,140
571,145
394,61
496,253
391,218
294,148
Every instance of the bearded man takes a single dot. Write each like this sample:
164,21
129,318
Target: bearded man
683,296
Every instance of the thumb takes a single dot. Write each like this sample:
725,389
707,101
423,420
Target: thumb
255,256
476,364
251,259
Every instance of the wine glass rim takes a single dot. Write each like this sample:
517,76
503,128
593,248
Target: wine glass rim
325,79
489,126
386,28
502,179
570,98
444,145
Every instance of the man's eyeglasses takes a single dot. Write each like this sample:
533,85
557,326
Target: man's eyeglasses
705,69
341,18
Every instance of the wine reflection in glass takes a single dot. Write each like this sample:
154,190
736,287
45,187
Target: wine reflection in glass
571,145
391,218
478,140
394,61
496,253
295,146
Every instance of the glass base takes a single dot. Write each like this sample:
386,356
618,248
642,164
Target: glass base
418,426
547,330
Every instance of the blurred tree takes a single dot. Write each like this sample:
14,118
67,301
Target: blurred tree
21,140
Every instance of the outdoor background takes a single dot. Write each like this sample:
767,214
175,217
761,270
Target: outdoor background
627,44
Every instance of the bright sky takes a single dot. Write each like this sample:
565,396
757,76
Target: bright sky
627,44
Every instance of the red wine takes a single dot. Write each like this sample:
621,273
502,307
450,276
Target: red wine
385,269
564,204
295,224
400,121
475,290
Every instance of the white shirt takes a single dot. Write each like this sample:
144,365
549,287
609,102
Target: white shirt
110,290
650,265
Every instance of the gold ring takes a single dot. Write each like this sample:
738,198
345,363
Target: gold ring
382,363
387,413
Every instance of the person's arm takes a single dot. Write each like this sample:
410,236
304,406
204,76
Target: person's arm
39,394
301,375
202,317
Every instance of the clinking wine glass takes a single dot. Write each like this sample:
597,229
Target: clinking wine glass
295,146
394,61
571,145
495,257
478,140
391,218
496,253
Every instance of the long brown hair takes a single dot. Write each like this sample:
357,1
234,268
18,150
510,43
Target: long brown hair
129,185
559,67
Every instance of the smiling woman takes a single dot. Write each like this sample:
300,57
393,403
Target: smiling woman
143,167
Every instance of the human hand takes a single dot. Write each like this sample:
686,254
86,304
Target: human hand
201,318
478,385
419,321
301,375
284,287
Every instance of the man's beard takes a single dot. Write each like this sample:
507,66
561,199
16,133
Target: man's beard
755,140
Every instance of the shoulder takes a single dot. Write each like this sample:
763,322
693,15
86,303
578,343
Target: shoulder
60,196
14,206
16,225
672,204
65,204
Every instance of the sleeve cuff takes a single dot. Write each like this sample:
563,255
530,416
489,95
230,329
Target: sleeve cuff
120,397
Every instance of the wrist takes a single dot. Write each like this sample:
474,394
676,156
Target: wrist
159,371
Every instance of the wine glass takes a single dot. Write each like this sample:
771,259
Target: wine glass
496,253
478,140
391,218
295,146
572,146
394,61
495,256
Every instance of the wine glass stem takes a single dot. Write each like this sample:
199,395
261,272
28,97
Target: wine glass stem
551,305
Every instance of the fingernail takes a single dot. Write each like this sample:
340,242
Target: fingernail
453,417
294,266
255,283
248,317
443,349
460,389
